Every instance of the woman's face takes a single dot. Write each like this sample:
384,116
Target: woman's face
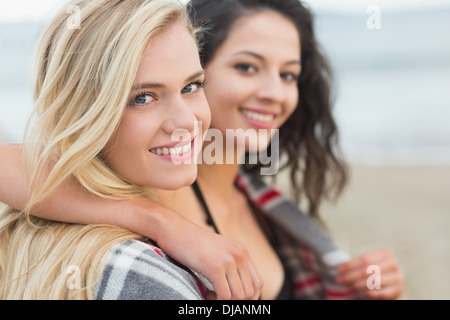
167,115
252,78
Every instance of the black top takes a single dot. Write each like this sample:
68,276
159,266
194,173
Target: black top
286,289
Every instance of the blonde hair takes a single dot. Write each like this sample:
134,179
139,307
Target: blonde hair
82,81
52,260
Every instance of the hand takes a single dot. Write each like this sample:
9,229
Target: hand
225,263
356,274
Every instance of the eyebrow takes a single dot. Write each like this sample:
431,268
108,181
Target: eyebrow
149,85
260,57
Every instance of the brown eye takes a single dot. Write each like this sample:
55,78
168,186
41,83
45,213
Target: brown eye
289,76
245,67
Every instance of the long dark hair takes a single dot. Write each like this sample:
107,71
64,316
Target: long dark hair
308,139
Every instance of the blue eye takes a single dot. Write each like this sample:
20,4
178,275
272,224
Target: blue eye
190,88
142,99
193,87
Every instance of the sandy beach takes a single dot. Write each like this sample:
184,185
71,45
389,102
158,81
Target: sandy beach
405,209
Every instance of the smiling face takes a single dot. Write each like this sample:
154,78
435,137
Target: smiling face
252,78
166,102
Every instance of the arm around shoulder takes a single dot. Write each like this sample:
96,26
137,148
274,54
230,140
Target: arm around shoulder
143,216
77,202
14,187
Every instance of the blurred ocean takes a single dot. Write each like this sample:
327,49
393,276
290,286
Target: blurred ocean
392,84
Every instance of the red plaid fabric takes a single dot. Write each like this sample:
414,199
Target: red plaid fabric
309,254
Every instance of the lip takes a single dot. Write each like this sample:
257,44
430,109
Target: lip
176,158
257,123
261,111
174,144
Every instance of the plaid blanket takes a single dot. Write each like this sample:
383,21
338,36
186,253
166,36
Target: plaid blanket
138,270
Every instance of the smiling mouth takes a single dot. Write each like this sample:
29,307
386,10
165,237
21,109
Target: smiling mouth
172,150
176,152
262,119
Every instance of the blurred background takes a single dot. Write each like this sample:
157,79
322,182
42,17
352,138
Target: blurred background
392,68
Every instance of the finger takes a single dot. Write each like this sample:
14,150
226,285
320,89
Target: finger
246,281
352,276
257,281
391,279
221,287
359,266
379,280
235,284
249,277
365,259
241,256
360,274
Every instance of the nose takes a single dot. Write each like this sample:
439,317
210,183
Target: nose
271,88
180,117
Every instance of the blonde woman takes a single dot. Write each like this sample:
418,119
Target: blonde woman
108,96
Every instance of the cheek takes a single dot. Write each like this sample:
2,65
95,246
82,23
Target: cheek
224,102
133,134
126,150
226,92
290,106
202,113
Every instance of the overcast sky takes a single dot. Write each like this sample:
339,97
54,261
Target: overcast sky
23,10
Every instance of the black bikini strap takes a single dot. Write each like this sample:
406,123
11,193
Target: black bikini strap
209,219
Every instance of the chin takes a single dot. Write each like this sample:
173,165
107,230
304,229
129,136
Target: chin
260,145
177,180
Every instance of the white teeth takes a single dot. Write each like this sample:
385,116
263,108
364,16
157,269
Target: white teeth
258,116
172,151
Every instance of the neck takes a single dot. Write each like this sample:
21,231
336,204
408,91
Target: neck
215,178
219,177
166,197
